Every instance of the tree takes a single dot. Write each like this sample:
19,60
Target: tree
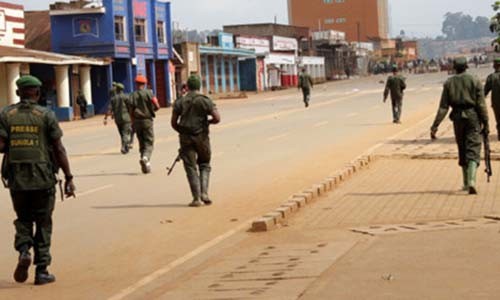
495,26
459,26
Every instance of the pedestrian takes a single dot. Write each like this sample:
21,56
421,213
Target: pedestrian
82,103
464,94
119,109
30,138
493,85
191,117
143,105
306,84
395,86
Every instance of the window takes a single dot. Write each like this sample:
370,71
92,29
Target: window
140,30
120,28
328,1
160,31
329,21
341,20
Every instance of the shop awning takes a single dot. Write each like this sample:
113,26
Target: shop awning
23,55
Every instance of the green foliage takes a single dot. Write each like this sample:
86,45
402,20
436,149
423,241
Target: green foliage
495,26
459,26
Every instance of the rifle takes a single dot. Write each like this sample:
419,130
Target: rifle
177,159
4,171
487,156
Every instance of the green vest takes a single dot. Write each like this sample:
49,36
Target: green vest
141,102
194,110
29,165
120,108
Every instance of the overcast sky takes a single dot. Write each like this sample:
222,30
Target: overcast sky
418,18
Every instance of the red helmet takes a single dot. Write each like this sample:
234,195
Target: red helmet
141,79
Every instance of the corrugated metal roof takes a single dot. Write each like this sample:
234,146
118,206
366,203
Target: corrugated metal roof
22,55
37,30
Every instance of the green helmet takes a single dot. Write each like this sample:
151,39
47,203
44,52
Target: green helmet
28,81
194,83
120,86
497,60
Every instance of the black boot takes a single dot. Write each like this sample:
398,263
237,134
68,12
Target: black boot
194,184
23,265
43,276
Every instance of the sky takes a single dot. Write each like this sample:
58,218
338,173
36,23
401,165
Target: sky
419,18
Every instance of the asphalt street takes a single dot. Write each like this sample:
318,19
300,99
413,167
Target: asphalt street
124,226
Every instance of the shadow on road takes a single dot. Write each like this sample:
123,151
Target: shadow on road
131,206
107,175
422,141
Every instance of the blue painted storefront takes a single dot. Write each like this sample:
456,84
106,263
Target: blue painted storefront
94,34
221,67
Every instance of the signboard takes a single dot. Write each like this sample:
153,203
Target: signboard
226,40
280,59
260,45
311,60
285,44
85,27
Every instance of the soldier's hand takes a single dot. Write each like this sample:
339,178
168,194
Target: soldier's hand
105,122
486,130
69,189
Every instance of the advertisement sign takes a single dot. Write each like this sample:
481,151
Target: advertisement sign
85,26
311,60
284,44
260,45
280,59
226,40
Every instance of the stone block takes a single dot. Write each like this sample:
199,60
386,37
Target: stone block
301,201
264,224
285,211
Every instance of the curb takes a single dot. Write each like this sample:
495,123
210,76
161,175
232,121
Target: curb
278,217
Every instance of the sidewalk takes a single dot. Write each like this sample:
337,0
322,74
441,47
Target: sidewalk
400,230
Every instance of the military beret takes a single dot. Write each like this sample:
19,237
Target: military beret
497,60
460,61
114,83
119,86
194,82
28,81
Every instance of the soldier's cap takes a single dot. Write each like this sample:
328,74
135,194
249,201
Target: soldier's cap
497,60
141,79
194,83
460,62
119,86
28,81
115,83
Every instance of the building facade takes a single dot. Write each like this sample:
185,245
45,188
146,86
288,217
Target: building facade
361,20
134,35
63,76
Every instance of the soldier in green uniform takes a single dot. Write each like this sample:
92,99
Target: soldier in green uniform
143,105
395,86
120,112
30,139
464,94
191,117
493,86
305,84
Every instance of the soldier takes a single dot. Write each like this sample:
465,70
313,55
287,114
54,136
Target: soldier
464,94
143,105
395,87
120,112
305,83
493,86
191,117
81,101
30,139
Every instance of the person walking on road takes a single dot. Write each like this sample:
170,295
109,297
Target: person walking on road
143,105
30,138
191,117
82,103
395,86
464,94
493,85
120,112
305,84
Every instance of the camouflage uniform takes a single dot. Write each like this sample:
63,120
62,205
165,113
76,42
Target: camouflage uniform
395,87
464,94
119,106
193,110
29,130
306,83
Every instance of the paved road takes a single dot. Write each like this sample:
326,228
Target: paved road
125,226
